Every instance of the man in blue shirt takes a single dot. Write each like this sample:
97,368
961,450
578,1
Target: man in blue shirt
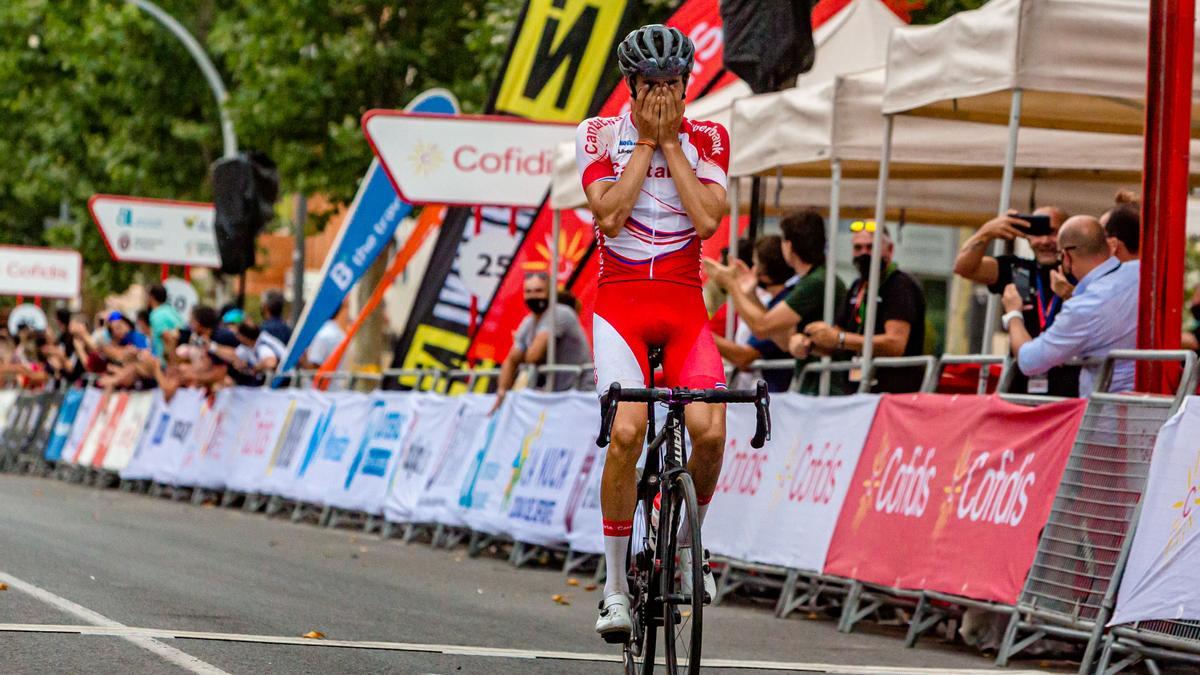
1100,316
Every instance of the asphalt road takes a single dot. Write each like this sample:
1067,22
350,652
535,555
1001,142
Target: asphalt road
140,570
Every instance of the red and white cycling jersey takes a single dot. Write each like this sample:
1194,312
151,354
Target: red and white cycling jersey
659,240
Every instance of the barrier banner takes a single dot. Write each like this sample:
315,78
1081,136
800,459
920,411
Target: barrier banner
562,431
188,422
779,505
126,432
260,432
62,426
209,465
108,414
8,399
424,445
303,428
585,526
323,471
494,452
88,408
957,479
438,502
140,464
389,426
1160,576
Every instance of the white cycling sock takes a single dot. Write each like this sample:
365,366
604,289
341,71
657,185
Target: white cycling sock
616,548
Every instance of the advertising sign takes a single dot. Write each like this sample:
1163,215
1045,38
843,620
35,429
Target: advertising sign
159,231
181,295
1160,577
795,484
40,272
559,54
956,479
369,225
466,160
26,316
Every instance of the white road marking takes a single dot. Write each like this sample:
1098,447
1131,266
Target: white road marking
100,622
150,634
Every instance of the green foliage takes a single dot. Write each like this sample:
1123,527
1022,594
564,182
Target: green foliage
934,11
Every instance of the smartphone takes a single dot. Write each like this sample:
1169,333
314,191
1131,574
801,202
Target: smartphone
1039,226
1022,278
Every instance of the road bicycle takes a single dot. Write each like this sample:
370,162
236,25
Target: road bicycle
658,598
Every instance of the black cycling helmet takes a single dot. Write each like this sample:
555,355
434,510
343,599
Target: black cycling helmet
656,51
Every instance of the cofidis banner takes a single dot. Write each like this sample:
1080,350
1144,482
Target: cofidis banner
369,225
952,492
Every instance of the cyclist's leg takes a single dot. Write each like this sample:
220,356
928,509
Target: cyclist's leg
617,345
691,360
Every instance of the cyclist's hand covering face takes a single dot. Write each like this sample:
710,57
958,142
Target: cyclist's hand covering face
672,113
645,117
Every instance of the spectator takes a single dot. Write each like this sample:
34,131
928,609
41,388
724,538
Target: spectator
73,361
232,318
803,247
325,342
899,317
163,317
259,351
768,278
272,311
201,363
1096,320
1037,280
125,339
532,338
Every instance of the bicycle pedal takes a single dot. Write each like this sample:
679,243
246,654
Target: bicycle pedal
615,637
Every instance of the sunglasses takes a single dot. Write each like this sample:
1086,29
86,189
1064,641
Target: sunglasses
862,226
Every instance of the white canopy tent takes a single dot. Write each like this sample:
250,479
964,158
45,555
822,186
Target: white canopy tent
1079,64
1061,64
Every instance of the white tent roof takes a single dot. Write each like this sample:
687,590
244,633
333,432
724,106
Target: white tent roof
804,129
1080,63
854,39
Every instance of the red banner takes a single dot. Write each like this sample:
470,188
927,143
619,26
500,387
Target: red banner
951,494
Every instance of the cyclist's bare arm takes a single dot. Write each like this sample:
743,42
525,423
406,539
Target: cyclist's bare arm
612,203
704,203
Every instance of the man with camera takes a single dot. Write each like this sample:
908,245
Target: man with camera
1034,279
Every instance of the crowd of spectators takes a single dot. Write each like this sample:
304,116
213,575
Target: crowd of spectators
152,347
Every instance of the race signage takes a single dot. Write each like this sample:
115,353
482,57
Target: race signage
1160,578
955,478
466,160
181,295
26,316
40,272
159,231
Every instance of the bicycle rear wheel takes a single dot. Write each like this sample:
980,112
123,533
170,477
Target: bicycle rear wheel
639,649
682,615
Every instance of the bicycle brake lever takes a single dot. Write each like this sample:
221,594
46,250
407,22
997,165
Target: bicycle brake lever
608,412
762,414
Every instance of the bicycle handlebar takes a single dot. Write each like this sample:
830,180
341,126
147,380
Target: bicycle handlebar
758,396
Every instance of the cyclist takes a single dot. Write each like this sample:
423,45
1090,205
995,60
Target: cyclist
655,183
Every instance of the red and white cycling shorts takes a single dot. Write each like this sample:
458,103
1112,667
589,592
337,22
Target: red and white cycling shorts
632,316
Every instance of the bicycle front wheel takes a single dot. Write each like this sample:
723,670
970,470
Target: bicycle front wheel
682,614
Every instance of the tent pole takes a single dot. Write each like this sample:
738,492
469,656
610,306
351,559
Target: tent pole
1006,186
885,162
733,248
555,228
835,208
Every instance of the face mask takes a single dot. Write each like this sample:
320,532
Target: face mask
537,305
862,263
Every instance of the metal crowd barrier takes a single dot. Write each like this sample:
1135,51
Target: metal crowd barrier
984,361
1071,588
928,381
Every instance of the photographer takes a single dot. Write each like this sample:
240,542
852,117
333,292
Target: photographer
1035,281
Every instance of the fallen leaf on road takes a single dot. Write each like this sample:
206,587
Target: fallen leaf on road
37,493
272,543
572,582
685,613
314,635
3,587
813,615
362,549
353,540
560,599
590,587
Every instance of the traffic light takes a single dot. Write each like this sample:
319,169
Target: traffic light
245,188
768,43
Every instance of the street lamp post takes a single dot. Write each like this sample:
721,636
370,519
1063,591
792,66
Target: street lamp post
206,66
